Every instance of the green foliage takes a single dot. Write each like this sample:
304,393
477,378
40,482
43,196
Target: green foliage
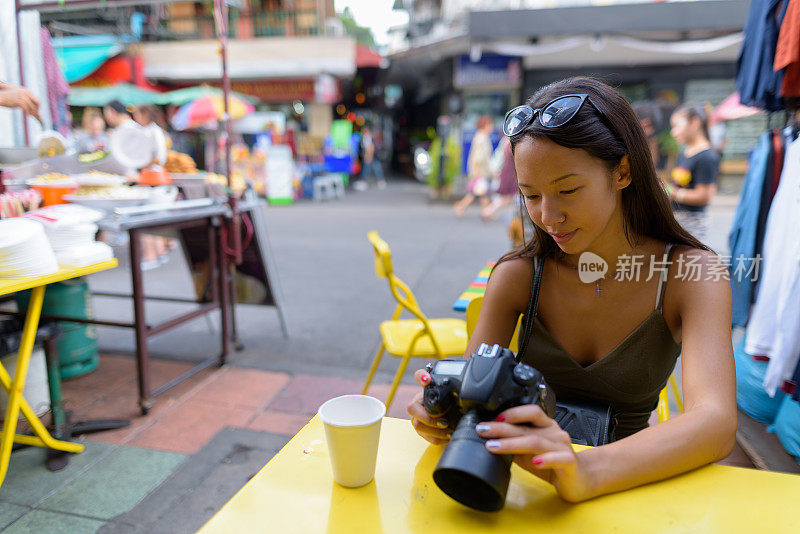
361,34
452,160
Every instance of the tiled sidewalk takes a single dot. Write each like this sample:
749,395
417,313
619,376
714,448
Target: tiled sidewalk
171,470
188,416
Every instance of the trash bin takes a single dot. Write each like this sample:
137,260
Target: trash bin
77,346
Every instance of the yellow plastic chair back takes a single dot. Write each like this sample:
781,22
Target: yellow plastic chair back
474,311
410,338
400,291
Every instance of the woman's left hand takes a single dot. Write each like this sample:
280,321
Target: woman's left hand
541,448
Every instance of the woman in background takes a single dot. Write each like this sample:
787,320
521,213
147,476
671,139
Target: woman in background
479,163
694,178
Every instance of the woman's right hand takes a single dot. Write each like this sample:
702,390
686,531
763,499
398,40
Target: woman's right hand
430,428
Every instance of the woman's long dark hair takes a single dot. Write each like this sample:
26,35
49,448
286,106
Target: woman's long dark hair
645,207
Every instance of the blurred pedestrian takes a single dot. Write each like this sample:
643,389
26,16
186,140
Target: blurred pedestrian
651,119
717,130
148,118
115,114
371,165
694,178
155,249
507,180
93,136
478,167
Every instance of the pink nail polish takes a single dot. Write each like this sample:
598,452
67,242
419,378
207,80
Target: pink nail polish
500,418
425,379
537,461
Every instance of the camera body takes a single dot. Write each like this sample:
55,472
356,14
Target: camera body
490,381
466,392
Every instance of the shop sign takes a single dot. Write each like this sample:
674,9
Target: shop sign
276,90
488,71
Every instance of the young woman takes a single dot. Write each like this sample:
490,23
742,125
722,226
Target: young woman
694,178
584,169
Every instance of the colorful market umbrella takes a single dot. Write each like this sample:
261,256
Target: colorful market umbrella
208,109
180,97
731,108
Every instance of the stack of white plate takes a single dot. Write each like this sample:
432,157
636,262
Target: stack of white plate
71,234
65,236
25,250
75,246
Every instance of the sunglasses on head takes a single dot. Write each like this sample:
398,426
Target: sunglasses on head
554,114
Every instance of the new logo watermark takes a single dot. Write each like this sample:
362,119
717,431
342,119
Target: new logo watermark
591,267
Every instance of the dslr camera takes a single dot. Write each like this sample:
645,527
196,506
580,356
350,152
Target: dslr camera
466,392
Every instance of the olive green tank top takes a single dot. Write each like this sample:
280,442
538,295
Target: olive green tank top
629,377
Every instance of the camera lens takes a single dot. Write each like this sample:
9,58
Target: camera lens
469,473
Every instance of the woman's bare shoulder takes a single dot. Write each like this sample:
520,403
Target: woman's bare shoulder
685,256
511,281
515,269
701,275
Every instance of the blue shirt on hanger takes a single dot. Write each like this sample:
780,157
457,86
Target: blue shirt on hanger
742,237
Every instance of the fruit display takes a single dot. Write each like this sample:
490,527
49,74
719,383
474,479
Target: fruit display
180,163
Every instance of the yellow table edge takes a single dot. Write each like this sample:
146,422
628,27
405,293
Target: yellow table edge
294,492
12,285
14,386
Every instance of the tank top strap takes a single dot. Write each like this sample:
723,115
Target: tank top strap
662,279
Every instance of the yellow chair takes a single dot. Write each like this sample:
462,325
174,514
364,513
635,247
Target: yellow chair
662,409
410,338
663,400
474,310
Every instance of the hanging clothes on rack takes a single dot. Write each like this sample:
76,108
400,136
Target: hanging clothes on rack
771,182
742,238
774,327
57,86
758,84
787,50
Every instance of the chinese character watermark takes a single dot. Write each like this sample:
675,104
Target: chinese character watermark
690,268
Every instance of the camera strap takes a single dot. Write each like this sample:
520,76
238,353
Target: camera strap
537,266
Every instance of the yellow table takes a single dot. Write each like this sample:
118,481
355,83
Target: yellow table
295,492
14,387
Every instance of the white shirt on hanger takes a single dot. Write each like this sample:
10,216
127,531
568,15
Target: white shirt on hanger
774,328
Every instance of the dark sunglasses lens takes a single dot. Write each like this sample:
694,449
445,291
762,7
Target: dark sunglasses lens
561,111
517,119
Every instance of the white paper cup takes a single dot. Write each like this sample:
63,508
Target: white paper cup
352,429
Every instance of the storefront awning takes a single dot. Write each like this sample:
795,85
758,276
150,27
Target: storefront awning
80,56
260,58
128,94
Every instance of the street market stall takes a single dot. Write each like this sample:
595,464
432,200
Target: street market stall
129,189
